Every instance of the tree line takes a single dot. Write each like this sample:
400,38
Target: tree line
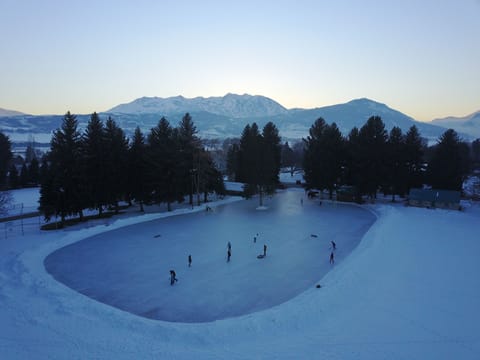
369,160
100,167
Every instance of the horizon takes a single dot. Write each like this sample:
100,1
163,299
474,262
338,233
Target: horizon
420,58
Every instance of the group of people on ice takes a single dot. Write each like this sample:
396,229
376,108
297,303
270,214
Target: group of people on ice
173,276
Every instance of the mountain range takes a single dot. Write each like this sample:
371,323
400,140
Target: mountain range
223,117
469,124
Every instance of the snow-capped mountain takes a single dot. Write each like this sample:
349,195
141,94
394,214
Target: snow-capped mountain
6,112
469,124
222,117
231,105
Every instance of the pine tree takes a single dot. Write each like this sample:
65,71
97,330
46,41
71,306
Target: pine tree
65,195
450,162
189,145
396,163
137,162
312,151
353,163
332,158
372,149
24,176
288,157
13,179
250,161
34,172
5,157
233,162
164,169
271,158
94,165
116,150
414,146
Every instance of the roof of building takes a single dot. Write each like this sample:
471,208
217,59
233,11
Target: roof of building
434,195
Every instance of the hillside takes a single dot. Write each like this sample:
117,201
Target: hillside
223,117
469,124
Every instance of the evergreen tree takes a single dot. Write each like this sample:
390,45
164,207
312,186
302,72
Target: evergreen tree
233,162
65,196
288,157
312,151
13,179
332,157
450,162
353,163
324,156
271,159
5,157
164,170
137,188
116,150
476,152
258,158
414,146
34,172
396,163
189,145
24,176
250,162
213,178
48,198
94,165
372,149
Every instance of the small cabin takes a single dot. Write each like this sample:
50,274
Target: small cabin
432,198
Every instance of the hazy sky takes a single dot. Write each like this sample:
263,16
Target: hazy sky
421,57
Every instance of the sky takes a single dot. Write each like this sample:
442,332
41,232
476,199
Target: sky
419,57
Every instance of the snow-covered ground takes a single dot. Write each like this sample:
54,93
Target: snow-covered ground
409,290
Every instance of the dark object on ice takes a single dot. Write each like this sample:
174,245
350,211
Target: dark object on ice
189,260
157,236
332,260
314,235
261,256
311,194
334,246
318,286
264,250
229,254
173,277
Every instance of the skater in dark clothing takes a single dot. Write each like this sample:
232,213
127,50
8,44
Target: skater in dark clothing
332,260
229,253
229,246
334,246
189,260
264,250
173,277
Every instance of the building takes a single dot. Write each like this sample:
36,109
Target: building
432,198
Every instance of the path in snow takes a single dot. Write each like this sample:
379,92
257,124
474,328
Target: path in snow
129,267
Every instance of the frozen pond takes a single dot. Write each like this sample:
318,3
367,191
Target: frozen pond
129,267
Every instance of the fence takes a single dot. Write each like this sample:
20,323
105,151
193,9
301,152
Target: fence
17,219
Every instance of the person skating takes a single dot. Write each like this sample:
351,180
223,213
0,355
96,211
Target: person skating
229,253
264,250
173,277
332,260
189,260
